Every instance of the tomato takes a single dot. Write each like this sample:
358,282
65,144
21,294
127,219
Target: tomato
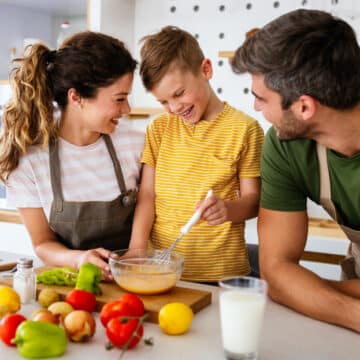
113,309
119,332
81,300
135,303
8,326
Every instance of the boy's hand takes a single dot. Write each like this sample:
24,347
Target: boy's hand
214,210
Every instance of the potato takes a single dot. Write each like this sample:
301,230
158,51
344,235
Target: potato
47,297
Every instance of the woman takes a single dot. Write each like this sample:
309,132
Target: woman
73,177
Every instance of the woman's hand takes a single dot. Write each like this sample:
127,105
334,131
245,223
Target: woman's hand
98,257
214,210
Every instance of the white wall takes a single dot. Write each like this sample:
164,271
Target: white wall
122,27
216,30
224,30
115,18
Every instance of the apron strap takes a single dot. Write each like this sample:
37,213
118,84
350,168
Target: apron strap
350,265
55,175
115,160
325,187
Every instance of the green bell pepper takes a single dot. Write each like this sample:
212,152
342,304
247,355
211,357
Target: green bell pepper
39,339
64,276
89,278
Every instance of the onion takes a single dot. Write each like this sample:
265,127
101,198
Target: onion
79,325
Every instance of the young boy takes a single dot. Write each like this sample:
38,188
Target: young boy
201,143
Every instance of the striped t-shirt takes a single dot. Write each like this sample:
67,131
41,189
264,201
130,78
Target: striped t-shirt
188,161
87,172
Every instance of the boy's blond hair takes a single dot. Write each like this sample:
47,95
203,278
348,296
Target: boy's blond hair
169,47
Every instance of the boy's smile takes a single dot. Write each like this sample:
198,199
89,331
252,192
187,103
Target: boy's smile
187,113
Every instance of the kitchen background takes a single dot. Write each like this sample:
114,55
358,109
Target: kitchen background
219,26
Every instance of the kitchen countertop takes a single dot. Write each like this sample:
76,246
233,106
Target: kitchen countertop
285,335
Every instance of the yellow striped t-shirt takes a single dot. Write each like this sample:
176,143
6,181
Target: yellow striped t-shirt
188,161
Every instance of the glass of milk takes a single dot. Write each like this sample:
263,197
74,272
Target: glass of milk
242,304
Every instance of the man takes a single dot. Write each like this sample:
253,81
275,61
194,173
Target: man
305,69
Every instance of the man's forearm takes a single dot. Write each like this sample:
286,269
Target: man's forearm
349,287
300,289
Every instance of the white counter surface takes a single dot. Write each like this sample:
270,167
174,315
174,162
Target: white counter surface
286,335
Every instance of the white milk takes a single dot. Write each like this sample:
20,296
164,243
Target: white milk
241,314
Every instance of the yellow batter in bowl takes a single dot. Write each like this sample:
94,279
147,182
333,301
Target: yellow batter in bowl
139,271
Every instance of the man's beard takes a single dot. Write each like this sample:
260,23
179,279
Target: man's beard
290,128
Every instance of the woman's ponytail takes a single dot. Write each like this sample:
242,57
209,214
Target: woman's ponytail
28,116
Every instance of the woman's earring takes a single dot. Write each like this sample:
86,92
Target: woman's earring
79,105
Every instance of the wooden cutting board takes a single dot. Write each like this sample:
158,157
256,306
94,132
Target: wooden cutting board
196,299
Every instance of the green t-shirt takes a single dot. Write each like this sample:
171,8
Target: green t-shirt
290,174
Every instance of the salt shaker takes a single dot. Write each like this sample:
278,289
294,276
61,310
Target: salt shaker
24,281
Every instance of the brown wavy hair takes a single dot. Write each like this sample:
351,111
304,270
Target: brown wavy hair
86,61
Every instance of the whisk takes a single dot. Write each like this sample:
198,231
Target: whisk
166,255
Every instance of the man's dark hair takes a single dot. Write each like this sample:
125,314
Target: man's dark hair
305,52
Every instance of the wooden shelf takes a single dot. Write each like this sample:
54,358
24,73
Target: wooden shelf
325,228
146,111
140,113
226,54
325,258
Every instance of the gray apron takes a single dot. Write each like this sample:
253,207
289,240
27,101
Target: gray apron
351,264
91,224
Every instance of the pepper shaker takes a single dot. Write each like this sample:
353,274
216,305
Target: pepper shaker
24,281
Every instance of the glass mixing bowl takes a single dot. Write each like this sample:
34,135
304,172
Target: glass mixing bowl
140,271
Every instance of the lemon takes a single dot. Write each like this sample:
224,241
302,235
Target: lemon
9,300
175,318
